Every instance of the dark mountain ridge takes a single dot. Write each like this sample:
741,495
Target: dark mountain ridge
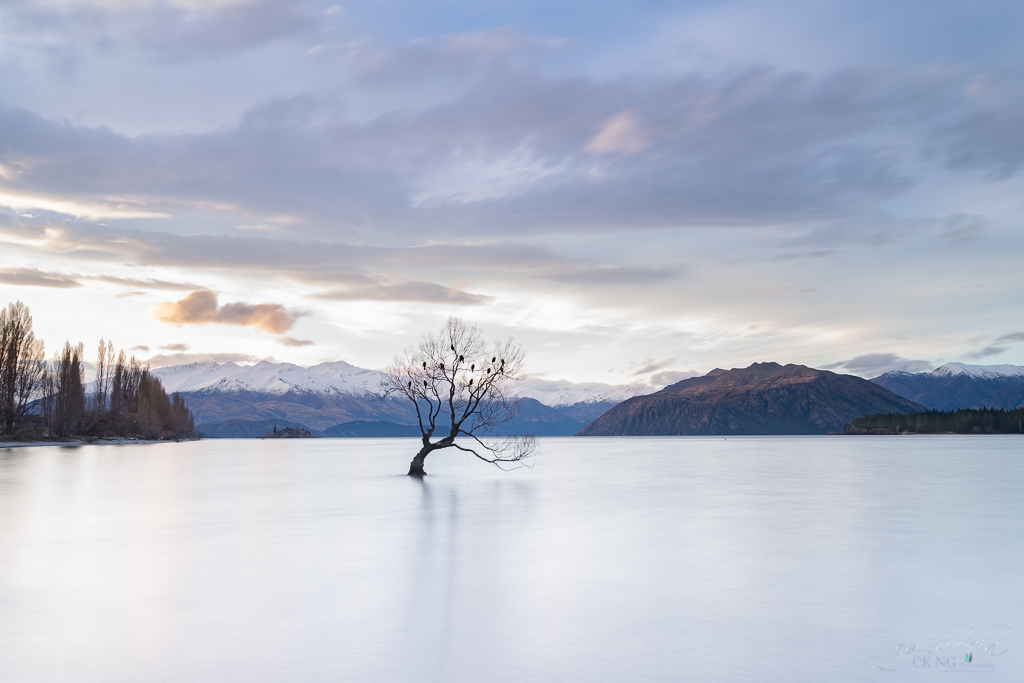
764,398
312,411
247,414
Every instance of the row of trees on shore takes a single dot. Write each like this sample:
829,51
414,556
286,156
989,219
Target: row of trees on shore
42,398
965,421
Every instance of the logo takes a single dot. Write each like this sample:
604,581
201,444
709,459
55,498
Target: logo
950,650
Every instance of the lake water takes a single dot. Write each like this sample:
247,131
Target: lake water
613,559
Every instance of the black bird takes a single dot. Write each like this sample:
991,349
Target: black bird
488,371
424,365
410,385
470,382
472,367
441,366
424,382
462,358
453,347
494,358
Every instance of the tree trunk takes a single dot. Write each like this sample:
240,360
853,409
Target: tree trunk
416,466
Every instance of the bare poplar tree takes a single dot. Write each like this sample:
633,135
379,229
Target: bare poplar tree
104,360
69,390
21,365
461,388
124,386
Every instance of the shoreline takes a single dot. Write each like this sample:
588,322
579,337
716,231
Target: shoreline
111,441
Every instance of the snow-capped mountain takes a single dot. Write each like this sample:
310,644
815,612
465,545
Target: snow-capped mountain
561,393
986,371
341,378
958,385
248,400
331,379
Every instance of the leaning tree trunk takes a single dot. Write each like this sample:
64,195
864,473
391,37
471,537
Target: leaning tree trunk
416,466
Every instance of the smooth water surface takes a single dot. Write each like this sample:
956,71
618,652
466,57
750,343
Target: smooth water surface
614,559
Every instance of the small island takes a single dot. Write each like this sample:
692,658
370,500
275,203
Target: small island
289,433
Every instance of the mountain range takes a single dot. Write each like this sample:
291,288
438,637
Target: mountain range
339,399
956,385
764,398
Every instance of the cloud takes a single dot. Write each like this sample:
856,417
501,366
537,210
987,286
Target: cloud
600,274
1001,344
166,31
621,134
38,278
141,284
991,350
30,277
160,361
962,228
200,308
140,347
425,292
509,158
875,364
175,347
349,265
668,377
291,341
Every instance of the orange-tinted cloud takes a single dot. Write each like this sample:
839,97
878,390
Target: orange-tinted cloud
200,308
291,341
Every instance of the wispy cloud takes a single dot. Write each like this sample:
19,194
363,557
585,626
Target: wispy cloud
988,351
31,277
663,379
424,292
874,364
621,134
34,277
142,284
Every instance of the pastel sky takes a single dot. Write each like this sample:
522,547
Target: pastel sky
637,191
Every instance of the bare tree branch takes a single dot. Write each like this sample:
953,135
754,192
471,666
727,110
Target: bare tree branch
464,387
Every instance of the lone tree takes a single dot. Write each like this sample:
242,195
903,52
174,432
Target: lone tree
462,389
